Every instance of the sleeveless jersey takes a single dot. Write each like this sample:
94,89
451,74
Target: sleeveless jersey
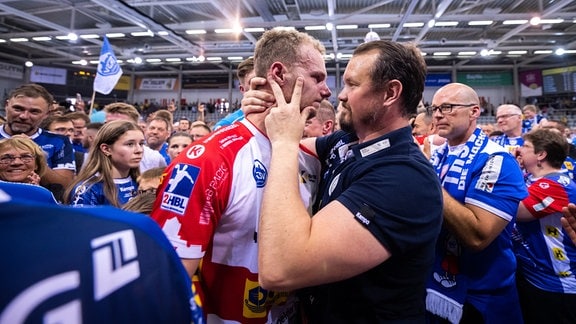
208,206
546,255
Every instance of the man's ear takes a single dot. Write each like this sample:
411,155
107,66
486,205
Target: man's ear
327,127
393,91
277,71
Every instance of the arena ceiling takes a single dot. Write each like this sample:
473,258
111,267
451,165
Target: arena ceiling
171,36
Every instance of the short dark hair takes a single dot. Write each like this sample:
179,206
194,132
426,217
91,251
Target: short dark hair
550,141
32,90
398,61
244,68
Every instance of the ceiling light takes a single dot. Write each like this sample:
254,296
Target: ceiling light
517,52
543,52
413,24
330,56
42,38
148,33
223,30
535,21
284,28
2,41
347,27
314,27
138,60
72,36
89,36
173,59
254,30
515,22
195,31
480,22
153,60
446,24
431,23
371,36
329,26
378,26
115,35
484,52
469,53
214,58
163,33
19,39
28,64
551,21
559,51
442,53
235,58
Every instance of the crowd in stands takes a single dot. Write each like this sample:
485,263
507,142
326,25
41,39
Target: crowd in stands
419,213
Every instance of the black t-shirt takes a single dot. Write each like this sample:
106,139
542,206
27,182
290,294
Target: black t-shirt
392,189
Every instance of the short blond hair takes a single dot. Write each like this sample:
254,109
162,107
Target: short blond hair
26,144
123,109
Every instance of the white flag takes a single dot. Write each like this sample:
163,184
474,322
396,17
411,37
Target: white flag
109,72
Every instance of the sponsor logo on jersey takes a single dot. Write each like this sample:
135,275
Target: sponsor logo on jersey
257,299
260,173
195,151
176,195
490,174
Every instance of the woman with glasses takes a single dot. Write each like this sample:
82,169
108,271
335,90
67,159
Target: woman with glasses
21,160
545,253
110,173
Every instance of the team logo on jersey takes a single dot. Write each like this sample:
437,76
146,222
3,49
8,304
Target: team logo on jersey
176,194
195,151
257,299
544,185
260,173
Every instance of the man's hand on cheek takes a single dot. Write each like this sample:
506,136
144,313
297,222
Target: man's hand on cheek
255,100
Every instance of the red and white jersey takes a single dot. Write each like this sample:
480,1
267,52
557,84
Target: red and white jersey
208,205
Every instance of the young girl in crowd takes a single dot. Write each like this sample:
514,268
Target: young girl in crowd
21,160
110,173
177,143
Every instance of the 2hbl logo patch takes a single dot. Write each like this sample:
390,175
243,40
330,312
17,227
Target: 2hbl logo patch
177,193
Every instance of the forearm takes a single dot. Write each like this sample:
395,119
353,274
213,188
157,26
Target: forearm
284,221
463,223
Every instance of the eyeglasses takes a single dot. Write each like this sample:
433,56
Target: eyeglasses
25,158
506,116
446,108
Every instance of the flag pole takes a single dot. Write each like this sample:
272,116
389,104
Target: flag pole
92,103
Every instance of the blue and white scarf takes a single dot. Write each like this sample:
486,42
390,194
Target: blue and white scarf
447,287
